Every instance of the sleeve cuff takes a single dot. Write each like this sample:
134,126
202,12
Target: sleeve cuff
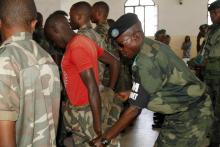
8,115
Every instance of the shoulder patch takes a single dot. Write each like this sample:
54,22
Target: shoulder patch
146,50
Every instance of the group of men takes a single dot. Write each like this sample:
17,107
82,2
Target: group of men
30,83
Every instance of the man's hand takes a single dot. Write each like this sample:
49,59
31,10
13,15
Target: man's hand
96,142
124,95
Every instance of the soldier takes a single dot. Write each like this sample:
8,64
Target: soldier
80,13
212,68
161,83
29,79
160,35
80,74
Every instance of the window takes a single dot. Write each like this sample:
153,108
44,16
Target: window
209,19
147,13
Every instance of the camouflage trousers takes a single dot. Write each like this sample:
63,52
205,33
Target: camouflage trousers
79,120
187,129
214,92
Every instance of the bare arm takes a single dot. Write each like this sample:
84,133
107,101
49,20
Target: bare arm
128,116
7,134
114,66
89,80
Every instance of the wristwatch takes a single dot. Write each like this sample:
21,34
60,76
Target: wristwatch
105,141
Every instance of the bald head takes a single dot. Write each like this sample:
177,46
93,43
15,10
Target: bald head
58,30
17,12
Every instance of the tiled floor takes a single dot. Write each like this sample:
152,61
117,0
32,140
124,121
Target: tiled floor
139,135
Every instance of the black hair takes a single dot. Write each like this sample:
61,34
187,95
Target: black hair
60,12
17,12
103,6
82,7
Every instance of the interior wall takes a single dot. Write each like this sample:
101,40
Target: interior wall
46,7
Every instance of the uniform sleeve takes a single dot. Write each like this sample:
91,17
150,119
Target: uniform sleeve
9,97
214,48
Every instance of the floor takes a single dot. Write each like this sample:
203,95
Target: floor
138,135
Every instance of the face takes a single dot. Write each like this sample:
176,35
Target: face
94,15
57,36
215,16
131,40
74,19
161,38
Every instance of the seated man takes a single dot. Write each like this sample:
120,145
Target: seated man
84,115
29,79
161,83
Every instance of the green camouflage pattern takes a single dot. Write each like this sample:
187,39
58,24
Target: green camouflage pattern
175,92
88,31
30,91
79,120
212,77
102,30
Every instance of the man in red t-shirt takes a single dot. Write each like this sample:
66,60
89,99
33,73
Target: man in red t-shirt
84,115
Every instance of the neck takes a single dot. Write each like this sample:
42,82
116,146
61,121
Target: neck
7,32
69,36
102,21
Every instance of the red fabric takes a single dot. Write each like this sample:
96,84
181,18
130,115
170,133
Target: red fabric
81,54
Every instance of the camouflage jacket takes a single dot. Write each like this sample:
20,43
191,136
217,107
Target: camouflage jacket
30,91
88,31
162,82
212,48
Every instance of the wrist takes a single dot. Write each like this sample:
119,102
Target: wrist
105,141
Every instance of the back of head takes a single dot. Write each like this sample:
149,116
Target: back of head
102,7
83,8
39,23
17,12
60,12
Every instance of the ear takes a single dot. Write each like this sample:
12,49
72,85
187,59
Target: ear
33,24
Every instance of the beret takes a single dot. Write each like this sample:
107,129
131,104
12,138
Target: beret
203,26
122,24
214,5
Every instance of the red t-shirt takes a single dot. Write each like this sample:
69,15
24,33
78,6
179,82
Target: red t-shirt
81,54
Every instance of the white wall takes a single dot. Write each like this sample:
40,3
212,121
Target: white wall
46,7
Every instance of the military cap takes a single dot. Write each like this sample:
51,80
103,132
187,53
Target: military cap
214,5
122,24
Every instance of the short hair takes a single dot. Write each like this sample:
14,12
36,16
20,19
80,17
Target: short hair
39,20
83,8
17,12
103,6
52,20
60,12
159,32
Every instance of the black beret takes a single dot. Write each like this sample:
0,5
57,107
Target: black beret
122,24
214,5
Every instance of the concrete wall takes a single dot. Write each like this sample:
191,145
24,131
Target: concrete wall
178,20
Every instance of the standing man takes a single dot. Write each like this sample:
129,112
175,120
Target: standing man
161,83
84,115
212,69
29,79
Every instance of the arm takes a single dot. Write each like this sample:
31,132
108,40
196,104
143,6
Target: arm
114,66
7,134
128,116
88,78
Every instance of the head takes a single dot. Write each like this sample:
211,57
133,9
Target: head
39,23
110,22
187,38
57,30
160,35
214,10
128,34
167,39
100,12
17,16
203,29
80,14
60,12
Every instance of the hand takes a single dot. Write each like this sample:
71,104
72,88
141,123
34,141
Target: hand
123,95
96,142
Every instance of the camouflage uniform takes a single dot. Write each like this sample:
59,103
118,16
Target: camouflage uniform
30,91
163,83
212,76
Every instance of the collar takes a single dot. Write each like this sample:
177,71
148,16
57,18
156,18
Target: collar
86,26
